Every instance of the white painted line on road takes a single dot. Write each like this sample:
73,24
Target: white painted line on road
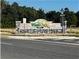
56,43
6,43
46,42
43,42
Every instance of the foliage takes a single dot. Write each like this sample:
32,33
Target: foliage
13,12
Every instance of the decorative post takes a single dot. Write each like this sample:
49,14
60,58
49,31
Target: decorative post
24,22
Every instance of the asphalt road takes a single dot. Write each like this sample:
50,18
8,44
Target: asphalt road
27,49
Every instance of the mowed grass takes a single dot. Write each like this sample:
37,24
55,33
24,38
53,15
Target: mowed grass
7,31
73,30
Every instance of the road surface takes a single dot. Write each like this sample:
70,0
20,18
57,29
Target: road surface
29,49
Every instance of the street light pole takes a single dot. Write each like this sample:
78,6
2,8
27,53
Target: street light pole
62,19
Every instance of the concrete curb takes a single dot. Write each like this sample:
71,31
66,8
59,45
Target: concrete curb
42,37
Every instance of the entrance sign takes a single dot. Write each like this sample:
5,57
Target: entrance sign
40,26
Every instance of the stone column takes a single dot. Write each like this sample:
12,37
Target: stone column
24,22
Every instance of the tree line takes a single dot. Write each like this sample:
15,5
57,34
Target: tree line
13,12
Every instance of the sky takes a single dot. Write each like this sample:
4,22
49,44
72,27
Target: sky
48,5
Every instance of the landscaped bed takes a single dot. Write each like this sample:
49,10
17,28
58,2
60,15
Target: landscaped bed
70,32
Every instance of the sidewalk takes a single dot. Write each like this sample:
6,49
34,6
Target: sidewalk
45,38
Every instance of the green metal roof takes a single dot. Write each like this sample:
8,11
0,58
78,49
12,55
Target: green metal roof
40,23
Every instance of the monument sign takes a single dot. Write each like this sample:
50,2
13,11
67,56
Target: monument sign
40,26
